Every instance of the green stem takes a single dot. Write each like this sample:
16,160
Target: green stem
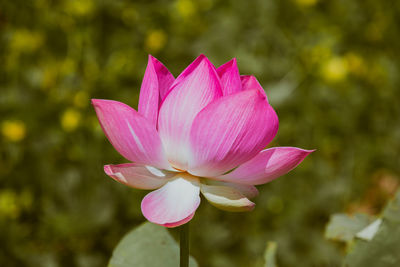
184,244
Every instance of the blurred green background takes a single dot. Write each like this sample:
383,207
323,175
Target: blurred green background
330,69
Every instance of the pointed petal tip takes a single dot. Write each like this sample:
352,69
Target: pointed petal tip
233,62
108,170
203,57
95,101
305,151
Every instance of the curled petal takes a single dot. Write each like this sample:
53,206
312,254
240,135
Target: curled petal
173,204
226,198
230,78
268,165
250,82
132,135
249,191
138,176
156,82
197,86
231,131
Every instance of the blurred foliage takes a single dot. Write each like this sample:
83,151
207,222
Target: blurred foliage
376,244
270,255
330,69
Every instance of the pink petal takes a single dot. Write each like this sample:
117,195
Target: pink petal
231,131
226,198
250,82
132,135
267,165
197,86
156,82
138,176
230,78
173,204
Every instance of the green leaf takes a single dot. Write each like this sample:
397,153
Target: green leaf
270,255
384,248
342,227
148,245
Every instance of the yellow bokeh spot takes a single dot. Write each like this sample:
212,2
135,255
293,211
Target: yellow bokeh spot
319,53
25,41
70,119
155,41
185,8
306,2
79,7
9,207
13,130
81,99
335,69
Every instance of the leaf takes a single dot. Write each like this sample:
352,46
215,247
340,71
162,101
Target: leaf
369,232
342,227
383,249
270,255
148,245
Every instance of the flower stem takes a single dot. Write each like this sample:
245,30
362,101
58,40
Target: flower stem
184,245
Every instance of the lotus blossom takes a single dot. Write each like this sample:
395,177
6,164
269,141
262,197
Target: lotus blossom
205,131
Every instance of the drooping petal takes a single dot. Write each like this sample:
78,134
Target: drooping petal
226,198
231,131
250,82
131,134
267,165
230,77
173,204
156,82
138,176
249,191
197,86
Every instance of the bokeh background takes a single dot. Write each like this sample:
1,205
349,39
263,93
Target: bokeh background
330,69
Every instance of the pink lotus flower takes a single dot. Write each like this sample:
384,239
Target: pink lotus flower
204,131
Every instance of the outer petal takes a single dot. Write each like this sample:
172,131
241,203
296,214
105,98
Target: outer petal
132,135
249,191
138,176
226,198
173,204
231,131
230,78
156,82
267,165
197,86
250,82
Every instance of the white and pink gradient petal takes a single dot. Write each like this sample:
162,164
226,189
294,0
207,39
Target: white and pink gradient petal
250,82
231,131
230,77
131,134
268,165
156,82
138,176
226,198
249,191
195,88
173,204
